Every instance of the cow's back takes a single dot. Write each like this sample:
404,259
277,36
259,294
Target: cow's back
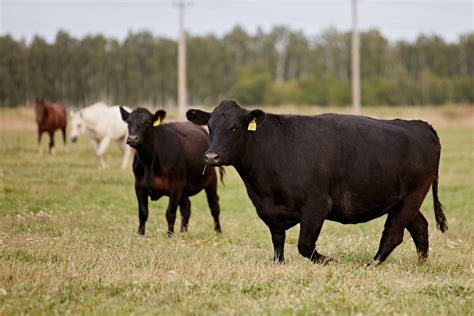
360,162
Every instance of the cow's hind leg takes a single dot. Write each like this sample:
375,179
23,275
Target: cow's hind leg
418,229
175,197
185,209
213,201
397,220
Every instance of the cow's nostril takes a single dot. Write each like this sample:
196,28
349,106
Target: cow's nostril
131,139
212,158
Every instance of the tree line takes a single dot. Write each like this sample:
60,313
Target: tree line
276,67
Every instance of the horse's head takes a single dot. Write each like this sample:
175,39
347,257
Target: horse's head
140,124
40,110
77,125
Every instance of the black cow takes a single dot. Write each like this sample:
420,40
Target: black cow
344,168
168,161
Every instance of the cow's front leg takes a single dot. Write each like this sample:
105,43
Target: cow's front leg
171,211
278,239
142,198
185,208
312,219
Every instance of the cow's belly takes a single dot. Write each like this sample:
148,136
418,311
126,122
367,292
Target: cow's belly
156,187
195,185
278,217
347,217
352,207
273,212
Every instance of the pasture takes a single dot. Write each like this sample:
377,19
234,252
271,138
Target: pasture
68,240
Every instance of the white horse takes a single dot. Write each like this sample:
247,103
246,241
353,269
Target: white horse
103,123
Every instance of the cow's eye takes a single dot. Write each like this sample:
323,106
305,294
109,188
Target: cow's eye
235,128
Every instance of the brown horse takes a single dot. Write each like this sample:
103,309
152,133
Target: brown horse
50,117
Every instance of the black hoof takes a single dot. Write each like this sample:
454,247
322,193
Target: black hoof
324,260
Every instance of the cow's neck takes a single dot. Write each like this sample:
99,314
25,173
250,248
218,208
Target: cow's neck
259,155
251,163
150,158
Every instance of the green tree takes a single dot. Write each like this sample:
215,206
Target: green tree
13,71
250,87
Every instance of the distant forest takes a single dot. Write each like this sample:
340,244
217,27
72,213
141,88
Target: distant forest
278,67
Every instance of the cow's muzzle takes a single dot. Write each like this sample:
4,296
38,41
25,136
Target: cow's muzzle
74,139
212,159
132,140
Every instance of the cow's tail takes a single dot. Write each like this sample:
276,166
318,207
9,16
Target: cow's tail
221,174
441,221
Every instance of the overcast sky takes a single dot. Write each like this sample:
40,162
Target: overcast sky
395,19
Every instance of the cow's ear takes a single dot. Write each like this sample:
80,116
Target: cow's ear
254,119
198,117
124,114
158,117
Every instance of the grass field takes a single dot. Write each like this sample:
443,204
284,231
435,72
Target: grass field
68,242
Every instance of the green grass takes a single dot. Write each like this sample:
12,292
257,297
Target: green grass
68,245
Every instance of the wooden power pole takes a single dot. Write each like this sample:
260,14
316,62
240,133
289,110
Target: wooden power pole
355,61
182,89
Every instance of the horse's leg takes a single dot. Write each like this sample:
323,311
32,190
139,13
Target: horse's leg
64,134
101,149
40,133
51,142
127,154
95,144
120,144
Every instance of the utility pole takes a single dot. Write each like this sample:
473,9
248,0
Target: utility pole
182,89
355,61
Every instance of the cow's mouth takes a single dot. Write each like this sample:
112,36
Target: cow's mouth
133,144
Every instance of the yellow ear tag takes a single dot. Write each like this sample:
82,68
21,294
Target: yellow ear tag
252,126
157,122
